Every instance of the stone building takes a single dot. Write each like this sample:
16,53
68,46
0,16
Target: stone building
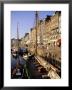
33,36
52,28
30,40
47,29
26,38
55,30
15,43
22,44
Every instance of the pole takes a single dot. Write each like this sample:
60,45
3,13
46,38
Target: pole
36,31
17,36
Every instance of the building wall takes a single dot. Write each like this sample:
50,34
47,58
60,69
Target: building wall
22,42
39,33
33,36
52,29
43,32
14,43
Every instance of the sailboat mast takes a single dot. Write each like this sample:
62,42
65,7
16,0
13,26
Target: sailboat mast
17,36
36,16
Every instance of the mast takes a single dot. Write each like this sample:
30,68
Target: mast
17,36
36,16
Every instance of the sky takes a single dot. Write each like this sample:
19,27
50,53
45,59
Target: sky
25,21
